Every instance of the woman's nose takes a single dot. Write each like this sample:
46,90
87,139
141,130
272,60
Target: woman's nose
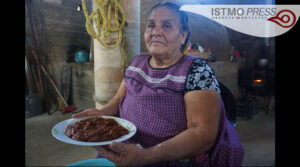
157,31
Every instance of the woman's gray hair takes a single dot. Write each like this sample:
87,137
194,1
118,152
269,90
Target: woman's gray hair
182,16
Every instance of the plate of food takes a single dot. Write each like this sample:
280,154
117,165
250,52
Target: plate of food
93,130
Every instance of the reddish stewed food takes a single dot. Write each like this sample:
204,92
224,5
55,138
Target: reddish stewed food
95,129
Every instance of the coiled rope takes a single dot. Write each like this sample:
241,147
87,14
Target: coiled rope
107,26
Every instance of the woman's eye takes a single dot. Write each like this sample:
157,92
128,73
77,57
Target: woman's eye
150,25
166,26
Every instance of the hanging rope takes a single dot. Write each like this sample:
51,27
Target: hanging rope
107,26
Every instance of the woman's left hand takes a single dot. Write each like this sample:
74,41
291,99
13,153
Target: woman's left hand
123,154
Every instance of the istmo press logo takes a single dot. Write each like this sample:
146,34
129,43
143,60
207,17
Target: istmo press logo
255,20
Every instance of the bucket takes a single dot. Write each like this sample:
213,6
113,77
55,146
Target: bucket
93,162
82,56
33,105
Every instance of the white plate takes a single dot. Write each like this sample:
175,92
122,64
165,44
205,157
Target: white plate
58,131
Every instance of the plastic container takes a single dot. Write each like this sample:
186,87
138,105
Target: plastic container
93,162
33,105
82,56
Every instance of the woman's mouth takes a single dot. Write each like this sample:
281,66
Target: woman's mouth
157,42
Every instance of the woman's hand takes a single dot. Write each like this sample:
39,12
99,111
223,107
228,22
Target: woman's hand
123,154
89,112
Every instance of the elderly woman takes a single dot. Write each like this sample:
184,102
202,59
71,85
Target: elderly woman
174,101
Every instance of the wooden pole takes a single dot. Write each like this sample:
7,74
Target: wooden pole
41,83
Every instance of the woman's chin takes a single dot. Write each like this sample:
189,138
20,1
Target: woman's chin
156,51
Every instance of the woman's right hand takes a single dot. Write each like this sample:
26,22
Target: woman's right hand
89,112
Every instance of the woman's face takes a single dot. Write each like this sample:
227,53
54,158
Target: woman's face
162,34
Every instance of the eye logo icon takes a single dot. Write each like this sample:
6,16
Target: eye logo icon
284,18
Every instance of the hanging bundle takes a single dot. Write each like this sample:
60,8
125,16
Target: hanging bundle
106,26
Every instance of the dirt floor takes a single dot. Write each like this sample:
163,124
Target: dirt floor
42,149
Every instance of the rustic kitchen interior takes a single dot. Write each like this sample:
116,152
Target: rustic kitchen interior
64,74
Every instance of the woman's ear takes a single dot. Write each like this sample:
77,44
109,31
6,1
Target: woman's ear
184,36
